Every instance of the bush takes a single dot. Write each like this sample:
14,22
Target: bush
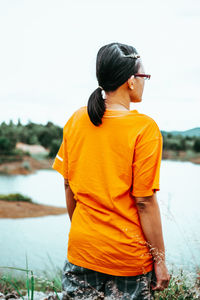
15,197
26,165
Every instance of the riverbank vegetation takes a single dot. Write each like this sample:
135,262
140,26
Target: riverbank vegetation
26,165
182,285
181,141
50,136
15,197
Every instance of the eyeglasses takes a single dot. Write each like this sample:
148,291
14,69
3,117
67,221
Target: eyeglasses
145,76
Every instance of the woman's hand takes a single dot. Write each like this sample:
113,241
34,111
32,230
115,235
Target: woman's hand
150,219
162,276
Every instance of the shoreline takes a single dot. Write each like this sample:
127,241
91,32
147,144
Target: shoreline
184,156
29,165
22,209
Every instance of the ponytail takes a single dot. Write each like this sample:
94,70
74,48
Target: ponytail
96,107
115,63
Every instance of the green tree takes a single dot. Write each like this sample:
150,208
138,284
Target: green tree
169,135
175,146
54,147
6,146
196,146
183,144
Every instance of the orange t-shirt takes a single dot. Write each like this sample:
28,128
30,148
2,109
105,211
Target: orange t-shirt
106,167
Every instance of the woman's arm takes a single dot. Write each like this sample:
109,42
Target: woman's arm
70,201
149,214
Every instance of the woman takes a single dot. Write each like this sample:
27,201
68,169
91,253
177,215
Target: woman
110,160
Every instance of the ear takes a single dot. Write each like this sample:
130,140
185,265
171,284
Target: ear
131,82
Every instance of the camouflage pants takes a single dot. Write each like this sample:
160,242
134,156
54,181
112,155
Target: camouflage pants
82,283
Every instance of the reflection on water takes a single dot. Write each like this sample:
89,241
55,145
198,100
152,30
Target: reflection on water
39,237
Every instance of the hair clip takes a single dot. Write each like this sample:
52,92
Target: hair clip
133,55
103,94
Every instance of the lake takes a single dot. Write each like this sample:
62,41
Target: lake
44,239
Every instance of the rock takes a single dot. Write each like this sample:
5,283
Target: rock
43,296
2,296
37,296
13,295
53,296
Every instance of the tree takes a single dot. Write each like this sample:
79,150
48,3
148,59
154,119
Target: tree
6,146
169,135
183,144
54,147
196,146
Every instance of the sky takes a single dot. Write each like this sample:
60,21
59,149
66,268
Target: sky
48,56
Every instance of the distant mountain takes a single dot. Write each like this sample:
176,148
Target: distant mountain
190,132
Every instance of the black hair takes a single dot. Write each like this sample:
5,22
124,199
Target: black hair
113,68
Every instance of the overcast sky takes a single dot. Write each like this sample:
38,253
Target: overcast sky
48,55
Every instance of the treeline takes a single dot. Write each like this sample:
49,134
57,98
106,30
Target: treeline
49,136
180,142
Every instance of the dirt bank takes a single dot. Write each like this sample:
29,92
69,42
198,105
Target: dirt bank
20,209
27,166
182,156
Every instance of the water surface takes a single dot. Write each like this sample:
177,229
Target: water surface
46,237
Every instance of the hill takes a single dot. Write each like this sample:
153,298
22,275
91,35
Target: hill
194,132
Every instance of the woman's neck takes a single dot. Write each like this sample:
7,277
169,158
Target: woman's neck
116,106
118,100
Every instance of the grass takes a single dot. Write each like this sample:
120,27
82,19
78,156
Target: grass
15,197
183,285
26,283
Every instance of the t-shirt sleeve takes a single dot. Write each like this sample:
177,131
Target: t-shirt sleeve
61,160
146,161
